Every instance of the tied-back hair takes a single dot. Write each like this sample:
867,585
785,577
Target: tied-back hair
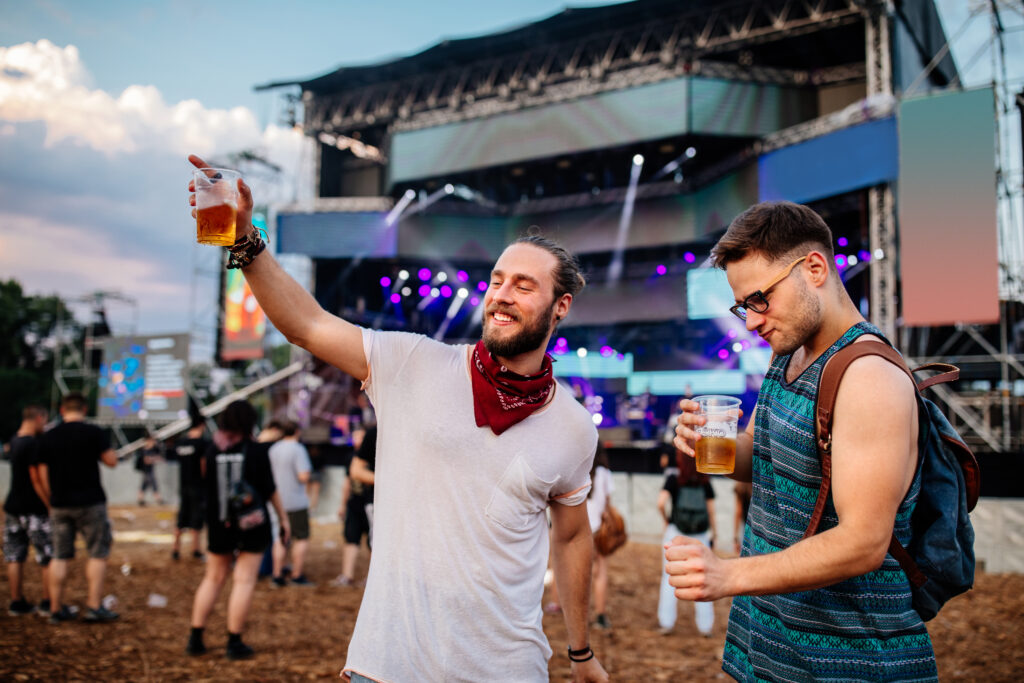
600,460
239,418
568,274
775,230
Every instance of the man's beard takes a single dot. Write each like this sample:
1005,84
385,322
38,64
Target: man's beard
529,338
806,322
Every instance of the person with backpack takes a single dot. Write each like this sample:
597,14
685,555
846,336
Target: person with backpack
690,503
836,604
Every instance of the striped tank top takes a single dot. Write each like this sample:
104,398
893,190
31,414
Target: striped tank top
863,628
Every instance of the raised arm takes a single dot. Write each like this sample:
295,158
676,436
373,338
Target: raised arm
873,462
289,306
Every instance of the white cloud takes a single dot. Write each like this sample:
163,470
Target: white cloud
43,82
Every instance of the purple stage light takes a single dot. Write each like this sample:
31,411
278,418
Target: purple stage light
424,274
396,298
446,291
689,257
561,341
607,351
840,261
620,356
745,344
731,334
474,300
462,276
723,354
481,286
385,281
864,255
661,270
424,290
842,241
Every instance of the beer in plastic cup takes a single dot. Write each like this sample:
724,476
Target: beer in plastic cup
716,448
216,205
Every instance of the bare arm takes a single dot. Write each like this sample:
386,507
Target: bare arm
290,307
686,438
361,471
871,472
109,457
40,476
572,551
282,517
663,499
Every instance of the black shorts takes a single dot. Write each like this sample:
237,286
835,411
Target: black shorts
356,522
298,520
225,540
192,511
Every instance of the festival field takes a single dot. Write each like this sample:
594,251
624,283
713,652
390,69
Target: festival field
302,633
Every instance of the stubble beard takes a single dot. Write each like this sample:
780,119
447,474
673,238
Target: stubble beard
529,338
805,323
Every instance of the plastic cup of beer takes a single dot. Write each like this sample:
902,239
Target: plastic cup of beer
216,205
716,447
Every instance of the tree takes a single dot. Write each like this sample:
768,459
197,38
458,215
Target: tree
28,330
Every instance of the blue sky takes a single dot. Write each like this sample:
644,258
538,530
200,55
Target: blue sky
101,101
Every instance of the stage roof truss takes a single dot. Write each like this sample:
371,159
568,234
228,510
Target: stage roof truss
404,97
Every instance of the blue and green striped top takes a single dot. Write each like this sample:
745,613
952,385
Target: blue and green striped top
863,628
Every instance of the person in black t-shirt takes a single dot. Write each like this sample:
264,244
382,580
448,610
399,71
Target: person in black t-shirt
691,511
69,457
238,482
192,500
145,462
27,521
356,510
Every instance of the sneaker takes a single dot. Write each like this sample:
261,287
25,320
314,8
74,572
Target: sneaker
278,582
342,581
196,555
100,615
65,613
602,622
20,607
302,581
195,647
175,555
663,631
239,650
44,608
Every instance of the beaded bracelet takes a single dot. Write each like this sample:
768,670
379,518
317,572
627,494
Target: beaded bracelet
245,250
578,655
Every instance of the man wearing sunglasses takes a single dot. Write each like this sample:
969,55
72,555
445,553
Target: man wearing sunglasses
833,606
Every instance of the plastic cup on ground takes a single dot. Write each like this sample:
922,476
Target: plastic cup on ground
216,205
716,448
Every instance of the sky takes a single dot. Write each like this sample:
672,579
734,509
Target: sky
100,102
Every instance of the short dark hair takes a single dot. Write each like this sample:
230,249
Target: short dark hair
773,230
239,417
75,402
568,275
289,428
31,412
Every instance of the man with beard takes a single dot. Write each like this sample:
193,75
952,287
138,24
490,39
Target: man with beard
475,443
835,606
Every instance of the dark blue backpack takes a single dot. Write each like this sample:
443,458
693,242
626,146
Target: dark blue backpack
939,561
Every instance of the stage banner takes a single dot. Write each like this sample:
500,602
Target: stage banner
244,322
143,378
947,209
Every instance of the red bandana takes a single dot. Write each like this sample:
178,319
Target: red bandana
501,398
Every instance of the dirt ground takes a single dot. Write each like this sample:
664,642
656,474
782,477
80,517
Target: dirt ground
302,633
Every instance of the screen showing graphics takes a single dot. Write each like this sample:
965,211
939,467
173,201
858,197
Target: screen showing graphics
244,321
143,378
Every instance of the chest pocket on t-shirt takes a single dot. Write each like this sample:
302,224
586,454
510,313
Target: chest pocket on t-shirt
519,496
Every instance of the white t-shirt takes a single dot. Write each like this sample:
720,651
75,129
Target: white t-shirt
599,497
288,459
460,533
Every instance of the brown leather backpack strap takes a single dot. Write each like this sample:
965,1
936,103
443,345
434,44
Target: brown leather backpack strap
949,373
828,389
907,564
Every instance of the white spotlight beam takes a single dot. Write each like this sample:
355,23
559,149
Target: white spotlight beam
625,221
396,211
453,310
434,196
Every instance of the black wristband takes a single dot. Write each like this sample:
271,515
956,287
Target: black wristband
582,655
245,250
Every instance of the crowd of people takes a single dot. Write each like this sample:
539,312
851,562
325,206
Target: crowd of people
455,584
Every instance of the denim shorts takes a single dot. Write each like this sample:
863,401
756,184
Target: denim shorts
21,531
91,521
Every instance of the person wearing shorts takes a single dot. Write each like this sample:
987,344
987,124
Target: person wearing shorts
357,520
238,484
290,463
69,457
192,503
27,520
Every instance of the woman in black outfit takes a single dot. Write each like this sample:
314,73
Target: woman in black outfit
238,481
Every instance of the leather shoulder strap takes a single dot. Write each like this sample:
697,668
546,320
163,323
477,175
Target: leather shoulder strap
828,388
